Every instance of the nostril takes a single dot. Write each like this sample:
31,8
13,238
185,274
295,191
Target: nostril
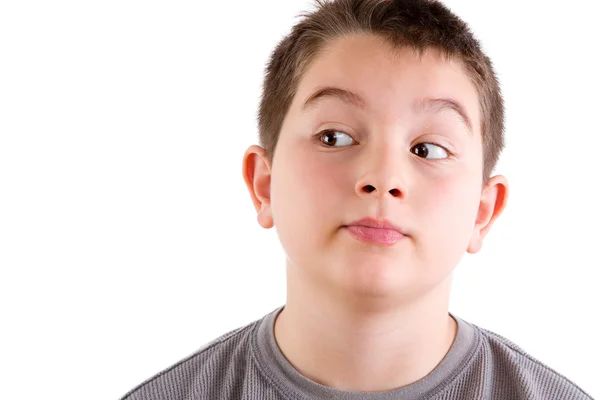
369,188
395,192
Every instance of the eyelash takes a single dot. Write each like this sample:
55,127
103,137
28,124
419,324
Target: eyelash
318,136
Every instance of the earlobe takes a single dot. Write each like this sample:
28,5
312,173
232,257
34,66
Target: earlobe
493,201
257,176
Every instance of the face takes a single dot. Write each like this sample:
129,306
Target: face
378,146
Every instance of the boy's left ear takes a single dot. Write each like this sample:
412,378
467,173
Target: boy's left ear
493,200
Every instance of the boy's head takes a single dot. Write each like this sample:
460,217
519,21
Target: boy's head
379,109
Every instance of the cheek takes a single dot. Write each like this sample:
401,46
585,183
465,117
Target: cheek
448,208
325,181
306,198
305,191
312,183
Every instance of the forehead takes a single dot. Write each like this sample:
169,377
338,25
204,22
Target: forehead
391,82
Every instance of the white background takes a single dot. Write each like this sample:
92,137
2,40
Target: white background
127,236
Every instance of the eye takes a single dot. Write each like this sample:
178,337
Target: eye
430,151
335,138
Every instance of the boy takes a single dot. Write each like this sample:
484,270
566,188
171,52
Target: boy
380,124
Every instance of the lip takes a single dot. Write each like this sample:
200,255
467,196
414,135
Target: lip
380,231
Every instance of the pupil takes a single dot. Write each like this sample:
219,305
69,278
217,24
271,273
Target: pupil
422,150
329,138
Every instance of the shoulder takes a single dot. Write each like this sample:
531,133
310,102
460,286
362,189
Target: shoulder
524,376
195,375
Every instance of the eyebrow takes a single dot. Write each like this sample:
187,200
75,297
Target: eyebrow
438,105
434,105
346,96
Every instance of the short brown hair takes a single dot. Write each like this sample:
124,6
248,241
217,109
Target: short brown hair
417,24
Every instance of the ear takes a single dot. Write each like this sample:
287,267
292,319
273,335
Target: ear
257,175
492,203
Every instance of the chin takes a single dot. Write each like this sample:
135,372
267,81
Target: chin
372,275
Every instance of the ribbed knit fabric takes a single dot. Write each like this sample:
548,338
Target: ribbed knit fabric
247,364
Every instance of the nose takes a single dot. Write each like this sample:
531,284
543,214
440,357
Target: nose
367,189
382,178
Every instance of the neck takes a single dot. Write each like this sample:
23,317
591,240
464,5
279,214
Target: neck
372,347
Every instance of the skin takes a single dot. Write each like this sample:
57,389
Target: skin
362,316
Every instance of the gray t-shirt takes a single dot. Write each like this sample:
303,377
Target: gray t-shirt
246,363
